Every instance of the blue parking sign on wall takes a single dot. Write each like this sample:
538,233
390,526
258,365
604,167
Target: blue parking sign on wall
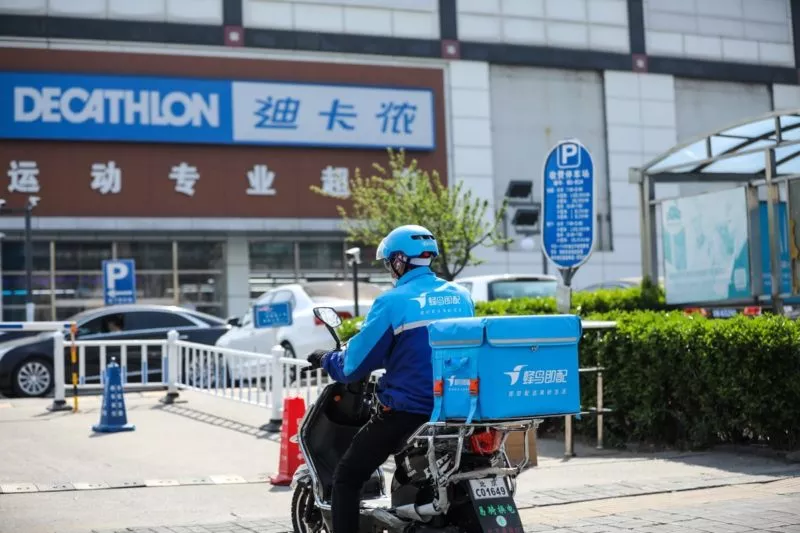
276,315
119,281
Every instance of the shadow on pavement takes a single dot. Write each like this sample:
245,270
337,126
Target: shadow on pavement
218,421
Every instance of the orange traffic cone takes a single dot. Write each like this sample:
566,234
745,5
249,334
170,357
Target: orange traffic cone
293,411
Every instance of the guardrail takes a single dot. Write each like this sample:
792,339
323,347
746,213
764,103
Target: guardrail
249,377
598,410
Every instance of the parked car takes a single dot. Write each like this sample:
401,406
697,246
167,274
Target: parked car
26,364
306,333
509,286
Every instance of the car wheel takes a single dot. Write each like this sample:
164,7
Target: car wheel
33,378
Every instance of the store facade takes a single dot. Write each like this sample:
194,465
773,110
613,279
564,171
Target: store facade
198,168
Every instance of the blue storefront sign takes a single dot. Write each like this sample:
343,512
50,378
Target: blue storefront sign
119,281
766,257
272,315
182,110
568,205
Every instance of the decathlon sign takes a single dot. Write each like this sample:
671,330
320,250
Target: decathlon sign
116,108
181,110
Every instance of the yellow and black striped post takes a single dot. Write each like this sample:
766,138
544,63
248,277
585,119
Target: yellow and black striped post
73,353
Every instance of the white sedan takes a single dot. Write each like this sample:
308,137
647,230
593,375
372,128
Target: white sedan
306,333
509,286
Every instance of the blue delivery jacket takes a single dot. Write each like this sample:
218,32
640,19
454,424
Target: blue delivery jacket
394,336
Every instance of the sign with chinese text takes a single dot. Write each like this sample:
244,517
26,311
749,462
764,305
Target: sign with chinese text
706,247
119,281
183,110
182,180
568,205
276,315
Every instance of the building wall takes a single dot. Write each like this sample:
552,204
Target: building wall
744,31
582,24
630,78
412,19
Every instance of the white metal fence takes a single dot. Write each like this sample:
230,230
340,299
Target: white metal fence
259,379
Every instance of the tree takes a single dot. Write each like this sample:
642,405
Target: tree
407,194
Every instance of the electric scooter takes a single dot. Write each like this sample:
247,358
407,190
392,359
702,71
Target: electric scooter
449,477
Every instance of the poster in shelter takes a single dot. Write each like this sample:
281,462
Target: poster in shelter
706,249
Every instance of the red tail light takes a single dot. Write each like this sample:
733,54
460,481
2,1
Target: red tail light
343,314
486,442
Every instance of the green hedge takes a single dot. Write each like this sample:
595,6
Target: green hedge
693,382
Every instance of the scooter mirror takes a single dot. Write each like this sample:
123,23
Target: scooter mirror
328,316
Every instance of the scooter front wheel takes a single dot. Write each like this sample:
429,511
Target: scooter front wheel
306,518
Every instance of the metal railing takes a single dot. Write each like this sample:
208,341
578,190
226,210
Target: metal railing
597,410
256,378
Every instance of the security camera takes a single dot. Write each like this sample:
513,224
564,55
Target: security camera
33,200
354,254
2,203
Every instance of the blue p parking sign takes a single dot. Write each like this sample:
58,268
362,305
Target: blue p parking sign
119,281
568,205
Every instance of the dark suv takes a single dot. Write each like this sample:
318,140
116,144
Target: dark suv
26,364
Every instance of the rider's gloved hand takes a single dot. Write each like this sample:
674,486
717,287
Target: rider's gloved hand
316,358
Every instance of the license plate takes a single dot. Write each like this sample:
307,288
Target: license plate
484,489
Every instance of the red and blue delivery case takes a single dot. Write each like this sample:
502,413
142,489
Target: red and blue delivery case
505,368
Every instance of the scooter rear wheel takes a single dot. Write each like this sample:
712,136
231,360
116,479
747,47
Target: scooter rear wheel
306,518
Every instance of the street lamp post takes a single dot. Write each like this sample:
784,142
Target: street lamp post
27,212
354,256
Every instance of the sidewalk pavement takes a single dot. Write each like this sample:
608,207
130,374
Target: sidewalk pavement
768,508
207,462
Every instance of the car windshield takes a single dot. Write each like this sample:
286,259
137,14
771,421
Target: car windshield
341,290
521,288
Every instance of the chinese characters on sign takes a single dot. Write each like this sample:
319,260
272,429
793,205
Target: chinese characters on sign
336,181
280,114
24,176
261,181
568,204
180,110
185,177
106,178
332,115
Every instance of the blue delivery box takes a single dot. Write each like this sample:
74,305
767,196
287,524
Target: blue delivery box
505,368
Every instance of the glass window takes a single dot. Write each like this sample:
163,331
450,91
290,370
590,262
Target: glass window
80,287
140,320
16,313
148,255
325,290
466,284
201,288
15,289
109,323
321,256
200,255
154,288
81,255
267,256
283,297
521,288
14,255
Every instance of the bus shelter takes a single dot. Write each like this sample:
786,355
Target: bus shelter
760,161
